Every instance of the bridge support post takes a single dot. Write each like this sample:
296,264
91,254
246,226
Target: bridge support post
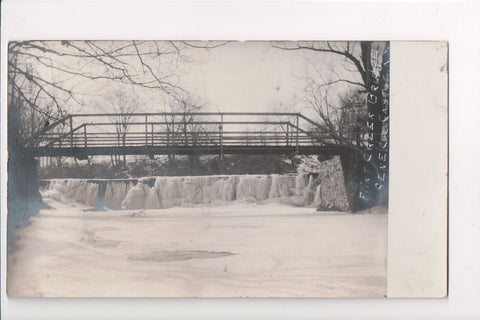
288,129
297,130
221,136
59,159
146,134
71,133
85,134
152,135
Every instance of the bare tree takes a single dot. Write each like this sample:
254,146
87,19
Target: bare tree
50,76
356,58
353,73
343,118
123,105
182,128
365,68
47,80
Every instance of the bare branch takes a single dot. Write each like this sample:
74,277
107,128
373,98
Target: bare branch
361,68
208,45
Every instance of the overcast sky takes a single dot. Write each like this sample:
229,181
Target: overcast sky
249,76
238,76
254,76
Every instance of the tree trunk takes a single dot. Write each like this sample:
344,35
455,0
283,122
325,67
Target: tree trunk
373,186
23,197
352,167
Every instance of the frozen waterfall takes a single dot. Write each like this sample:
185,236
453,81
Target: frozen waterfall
324,189
166,192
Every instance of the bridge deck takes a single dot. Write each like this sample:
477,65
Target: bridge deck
83,153
186,134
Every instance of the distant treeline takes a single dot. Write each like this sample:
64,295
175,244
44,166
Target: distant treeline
183,165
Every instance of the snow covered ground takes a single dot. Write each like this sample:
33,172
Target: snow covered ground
239,249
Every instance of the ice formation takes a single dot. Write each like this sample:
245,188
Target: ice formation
303,189
135,198
115,193
76,189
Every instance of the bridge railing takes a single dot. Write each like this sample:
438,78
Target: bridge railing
185,129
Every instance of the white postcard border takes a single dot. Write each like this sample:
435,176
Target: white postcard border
457,23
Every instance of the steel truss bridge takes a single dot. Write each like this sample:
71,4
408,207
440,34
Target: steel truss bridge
196,133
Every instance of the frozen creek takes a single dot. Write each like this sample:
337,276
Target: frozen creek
233,250
207,236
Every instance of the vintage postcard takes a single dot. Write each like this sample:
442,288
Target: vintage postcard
221,168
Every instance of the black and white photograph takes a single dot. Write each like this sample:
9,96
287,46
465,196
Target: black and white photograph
239,160
141,168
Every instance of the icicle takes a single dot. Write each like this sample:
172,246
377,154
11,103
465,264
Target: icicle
151,200
187,191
